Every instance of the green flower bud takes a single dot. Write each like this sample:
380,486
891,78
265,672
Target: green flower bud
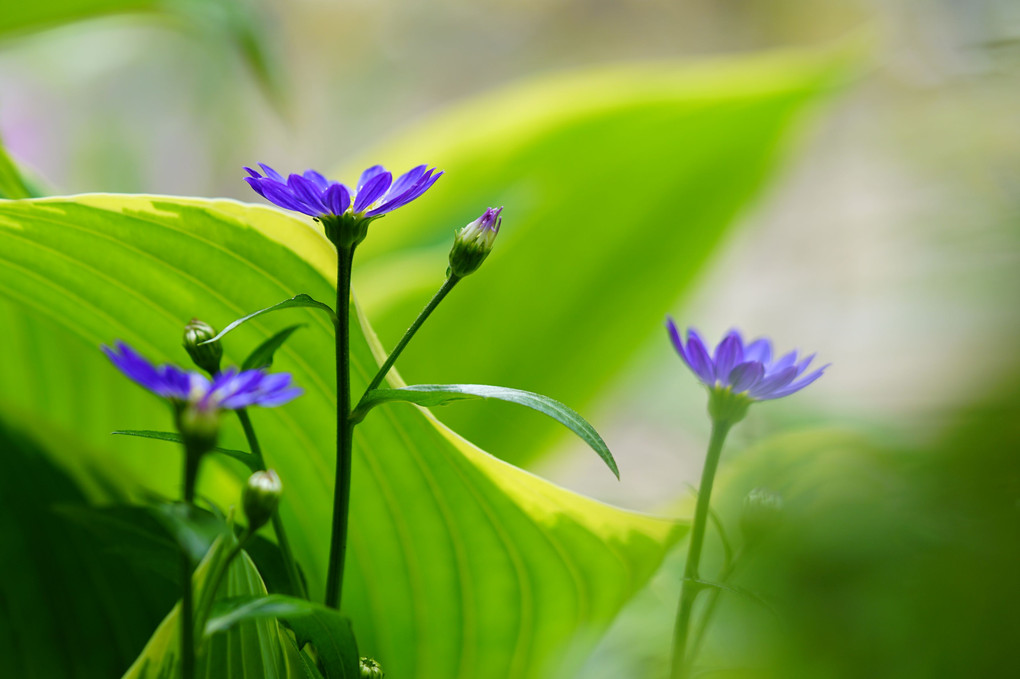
473,243
762,514
261,497
370,669
206,356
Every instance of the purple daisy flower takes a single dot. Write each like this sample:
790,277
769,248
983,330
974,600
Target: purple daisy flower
228,390
748,370
312,194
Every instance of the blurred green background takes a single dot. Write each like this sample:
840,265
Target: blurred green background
886,240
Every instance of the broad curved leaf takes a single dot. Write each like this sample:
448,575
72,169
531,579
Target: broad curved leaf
429,395
461,566
618,184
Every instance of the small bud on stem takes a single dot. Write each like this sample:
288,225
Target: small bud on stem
206,356
473,243
261,497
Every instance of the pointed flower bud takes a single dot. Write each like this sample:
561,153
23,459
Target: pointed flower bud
206,356
473,243
370,669
261,497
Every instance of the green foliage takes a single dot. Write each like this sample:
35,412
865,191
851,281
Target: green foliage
618,184
429,395
325,628
255,648
77,602
262,356
460,565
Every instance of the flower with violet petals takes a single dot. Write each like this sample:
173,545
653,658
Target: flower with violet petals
739,374
473,243
193,393
375,195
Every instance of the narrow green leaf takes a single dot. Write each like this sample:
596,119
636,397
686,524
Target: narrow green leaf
172,437
262,356
296,301
429,395
228,612
325,628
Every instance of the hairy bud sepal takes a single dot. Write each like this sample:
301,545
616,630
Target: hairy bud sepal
205,354
474,242
261,497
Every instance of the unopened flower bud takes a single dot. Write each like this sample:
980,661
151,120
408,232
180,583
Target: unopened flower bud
762,513
370,669
473,243
206,356
261,497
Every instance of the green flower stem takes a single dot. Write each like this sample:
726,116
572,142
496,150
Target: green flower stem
443,291
713,601
344,429
281,535
689,589
192,457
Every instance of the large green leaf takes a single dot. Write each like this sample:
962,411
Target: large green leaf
252,649
460,564
617,186
74,602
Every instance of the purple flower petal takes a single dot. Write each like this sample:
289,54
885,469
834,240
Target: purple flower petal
306,192
804,363
759,350
280,195
370,192
799,384
772,382
678,342
745,376
405,181
786,361
256,185
338,199
728,353
272,174
368,175
701,363
253,173
314,177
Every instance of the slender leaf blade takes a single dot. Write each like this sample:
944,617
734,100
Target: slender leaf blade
262,355
297,301
429,395
173,437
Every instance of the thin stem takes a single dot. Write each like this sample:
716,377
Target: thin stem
187,619
192,457
713,601
689,589
297,584
344,429
443,291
